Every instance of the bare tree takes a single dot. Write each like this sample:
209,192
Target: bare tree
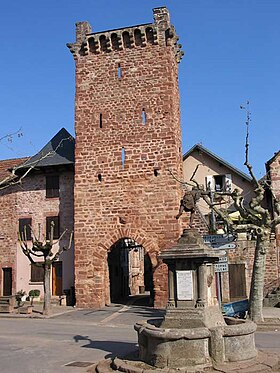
43,249
256,219
13,178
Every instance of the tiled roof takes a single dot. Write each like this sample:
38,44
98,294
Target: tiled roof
201,148
59,150
7,164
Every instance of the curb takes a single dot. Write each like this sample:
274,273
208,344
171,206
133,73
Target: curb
34,316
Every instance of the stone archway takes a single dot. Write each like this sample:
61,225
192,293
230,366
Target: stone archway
130,272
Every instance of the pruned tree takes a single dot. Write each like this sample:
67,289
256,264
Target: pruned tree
43,249
256,219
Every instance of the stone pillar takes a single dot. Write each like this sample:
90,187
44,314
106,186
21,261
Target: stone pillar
202,285
171,288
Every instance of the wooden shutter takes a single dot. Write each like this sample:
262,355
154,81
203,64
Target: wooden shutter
237,281
37,273
52,186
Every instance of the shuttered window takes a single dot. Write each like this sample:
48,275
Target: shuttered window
56,231
52,186
25,224
37,273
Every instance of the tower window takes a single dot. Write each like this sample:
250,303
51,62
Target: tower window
119,71
99,176
100,120
144,117
123,157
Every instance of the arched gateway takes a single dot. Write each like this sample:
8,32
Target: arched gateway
130,271
128,136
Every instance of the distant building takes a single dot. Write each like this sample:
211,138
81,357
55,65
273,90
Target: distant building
43,195
215,174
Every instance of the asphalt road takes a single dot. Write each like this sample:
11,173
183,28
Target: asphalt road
48,345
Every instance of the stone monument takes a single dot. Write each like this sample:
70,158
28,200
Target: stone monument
193,334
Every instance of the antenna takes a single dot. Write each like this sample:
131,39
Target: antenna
248,120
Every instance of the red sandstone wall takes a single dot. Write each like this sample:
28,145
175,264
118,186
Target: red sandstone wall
129,201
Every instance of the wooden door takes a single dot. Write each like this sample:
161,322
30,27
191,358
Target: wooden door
7,281
237,281
57,278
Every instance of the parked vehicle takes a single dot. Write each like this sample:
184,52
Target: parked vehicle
237,309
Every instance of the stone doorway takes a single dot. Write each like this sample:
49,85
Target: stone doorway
7,281
130,273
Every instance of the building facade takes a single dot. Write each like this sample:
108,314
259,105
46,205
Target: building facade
43,195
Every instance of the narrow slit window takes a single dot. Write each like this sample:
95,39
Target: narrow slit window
156,172
123,157
119,71
100,120
144,117
99,176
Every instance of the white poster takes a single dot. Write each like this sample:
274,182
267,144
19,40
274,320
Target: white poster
184,285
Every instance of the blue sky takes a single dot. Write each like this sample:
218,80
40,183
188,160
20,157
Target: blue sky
232,54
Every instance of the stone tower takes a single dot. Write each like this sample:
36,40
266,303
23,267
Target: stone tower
128,135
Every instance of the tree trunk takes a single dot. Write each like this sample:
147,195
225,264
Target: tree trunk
257,282
47,289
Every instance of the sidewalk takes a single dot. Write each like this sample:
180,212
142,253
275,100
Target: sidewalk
37,312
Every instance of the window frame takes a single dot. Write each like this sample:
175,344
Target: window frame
52,186
38,277
28,224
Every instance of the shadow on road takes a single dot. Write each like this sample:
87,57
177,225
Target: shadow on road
114,348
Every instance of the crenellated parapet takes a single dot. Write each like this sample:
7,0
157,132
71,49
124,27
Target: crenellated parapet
161,33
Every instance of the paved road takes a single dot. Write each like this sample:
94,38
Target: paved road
47,345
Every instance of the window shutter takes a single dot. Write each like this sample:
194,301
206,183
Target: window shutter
37,273
228,183
209,182
52,186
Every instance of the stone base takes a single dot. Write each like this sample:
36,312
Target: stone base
186,318
263,363
190,347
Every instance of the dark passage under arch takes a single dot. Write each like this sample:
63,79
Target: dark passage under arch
130,273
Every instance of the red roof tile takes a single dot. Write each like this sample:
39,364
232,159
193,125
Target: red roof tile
6,164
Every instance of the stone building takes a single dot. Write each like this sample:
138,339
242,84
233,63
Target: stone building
273,175
217,175
44,194
128,135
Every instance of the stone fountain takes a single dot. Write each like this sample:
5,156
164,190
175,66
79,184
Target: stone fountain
193,334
